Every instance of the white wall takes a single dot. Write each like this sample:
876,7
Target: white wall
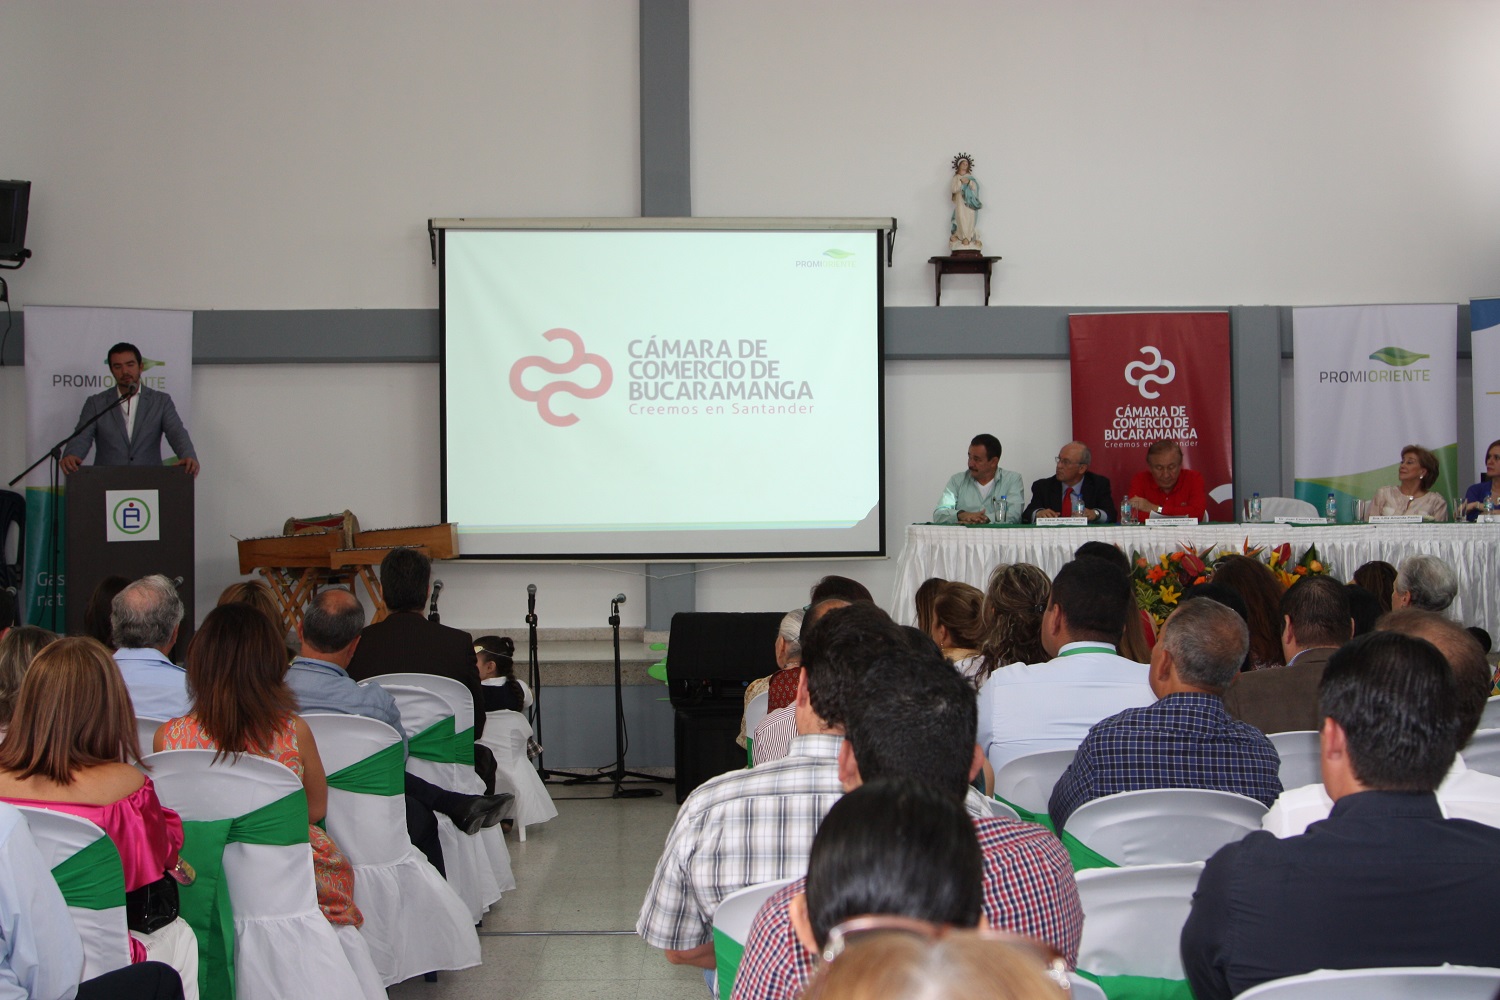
280,154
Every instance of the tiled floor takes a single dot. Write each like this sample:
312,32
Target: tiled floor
586,870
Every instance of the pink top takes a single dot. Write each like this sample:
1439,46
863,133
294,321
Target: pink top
147,834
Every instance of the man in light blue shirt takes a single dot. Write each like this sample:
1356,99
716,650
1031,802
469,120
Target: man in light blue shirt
985,493
143,620
1028,708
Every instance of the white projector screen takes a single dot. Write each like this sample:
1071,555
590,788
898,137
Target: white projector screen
639,394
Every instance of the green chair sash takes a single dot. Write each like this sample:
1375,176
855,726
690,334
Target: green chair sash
94,878
727,956
1140,987
1082,857
436,743
381,773
205,904
463,747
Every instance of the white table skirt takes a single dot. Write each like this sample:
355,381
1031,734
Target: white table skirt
970,554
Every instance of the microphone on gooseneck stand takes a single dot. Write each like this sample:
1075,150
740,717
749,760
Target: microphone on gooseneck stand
432,611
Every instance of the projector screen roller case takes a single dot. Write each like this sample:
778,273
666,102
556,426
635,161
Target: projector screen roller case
662,393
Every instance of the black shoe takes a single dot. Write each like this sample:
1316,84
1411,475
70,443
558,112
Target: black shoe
480,811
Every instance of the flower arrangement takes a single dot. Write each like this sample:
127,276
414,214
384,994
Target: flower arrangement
1160,583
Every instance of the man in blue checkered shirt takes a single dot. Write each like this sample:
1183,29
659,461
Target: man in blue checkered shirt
1186,739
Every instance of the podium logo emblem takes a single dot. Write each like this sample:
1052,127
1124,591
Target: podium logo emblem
132,516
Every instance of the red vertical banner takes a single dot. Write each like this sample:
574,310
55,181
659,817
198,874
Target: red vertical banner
1140,377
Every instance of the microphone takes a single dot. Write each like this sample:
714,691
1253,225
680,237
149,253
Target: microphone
432,611
177,582
531,598
619,599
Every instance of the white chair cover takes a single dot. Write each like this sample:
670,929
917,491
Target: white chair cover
1490,718
106,939
1164,825
1301,757
506,733
1273,507
1028,780
1082,989
145,731
755,710
1448,982
1483,751
1001,810
284,948
1133,917
461,700
470,870
177,946
736,911
414,922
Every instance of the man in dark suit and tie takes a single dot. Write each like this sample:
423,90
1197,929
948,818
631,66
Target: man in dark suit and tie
131,433
1073,492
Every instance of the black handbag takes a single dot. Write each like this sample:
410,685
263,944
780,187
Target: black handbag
152,906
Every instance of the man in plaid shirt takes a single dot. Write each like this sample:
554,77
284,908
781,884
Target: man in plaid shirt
753,826
916,717
1187,739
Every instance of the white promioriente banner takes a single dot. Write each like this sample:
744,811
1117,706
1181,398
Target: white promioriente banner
1484,321
66,362
1369,380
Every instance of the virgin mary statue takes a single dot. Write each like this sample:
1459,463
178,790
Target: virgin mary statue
962,235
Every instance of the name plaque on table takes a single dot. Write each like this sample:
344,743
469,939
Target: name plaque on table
1171,522
1061,522
1396,519
1293,519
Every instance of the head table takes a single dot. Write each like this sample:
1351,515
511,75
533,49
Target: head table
969,554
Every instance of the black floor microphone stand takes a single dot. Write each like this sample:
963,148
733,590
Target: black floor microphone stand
535,673
619,774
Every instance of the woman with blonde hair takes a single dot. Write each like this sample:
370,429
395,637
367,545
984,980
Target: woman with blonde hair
1011,618
258,595
72,748
18,648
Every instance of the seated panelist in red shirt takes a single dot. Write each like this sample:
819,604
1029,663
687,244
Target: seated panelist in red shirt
1166,488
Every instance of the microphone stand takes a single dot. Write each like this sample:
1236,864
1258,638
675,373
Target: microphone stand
535,672
54,537
620,774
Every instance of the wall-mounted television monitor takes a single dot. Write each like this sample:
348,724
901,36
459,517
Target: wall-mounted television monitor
15,201
663,389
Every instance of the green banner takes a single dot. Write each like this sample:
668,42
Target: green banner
43,590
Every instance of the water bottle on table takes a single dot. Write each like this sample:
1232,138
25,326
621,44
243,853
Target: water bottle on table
1331,508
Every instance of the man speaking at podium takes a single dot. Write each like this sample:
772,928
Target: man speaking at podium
131,433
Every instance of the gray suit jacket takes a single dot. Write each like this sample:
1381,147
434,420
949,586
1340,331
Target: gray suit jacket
155,418
1281,699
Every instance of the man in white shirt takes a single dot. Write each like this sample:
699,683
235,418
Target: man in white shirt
1027,708
985,493
1463,794
143,620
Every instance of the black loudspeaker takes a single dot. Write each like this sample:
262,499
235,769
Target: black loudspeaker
15,205
711,657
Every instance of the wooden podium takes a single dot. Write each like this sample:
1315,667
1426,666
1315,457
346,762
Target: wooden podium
129,521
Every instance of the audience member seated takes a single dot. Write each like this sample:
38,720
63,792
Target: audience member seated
750,826
788,657
1364,608
1415,476
72,748
1385,880
18,647
1012,618
1378,577
328,635
1186,739
1424,582
1165,488
783,687
96,623
914,719
41,955
1318,621
924,599
958,627
241,704
1261,591
773,737
984,493
503,690
1073,492
1030,707
841,587
144,619
1140,629
1488,487
1463,794
257,594
907,963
